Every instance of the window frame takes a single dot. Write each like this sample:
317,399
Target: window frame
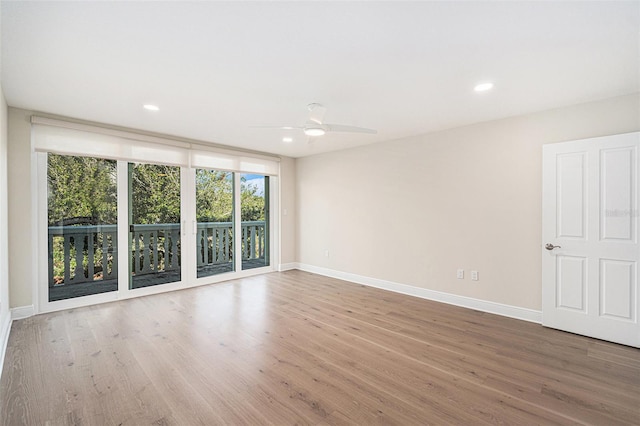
188,220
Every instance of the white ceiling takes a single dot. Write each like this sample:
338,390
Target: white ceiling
403,68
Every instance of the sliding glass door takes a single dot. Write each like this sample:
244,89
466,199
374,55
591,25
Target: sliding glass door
82,217
115,229
214,216
154,224
82,229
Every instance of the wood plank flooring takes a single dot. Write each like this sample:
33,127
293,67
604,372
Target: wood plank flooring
297,348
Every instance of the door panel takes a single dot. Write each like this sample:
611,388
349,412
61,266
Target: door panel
618,180
571,195
617,289
590,237
572,284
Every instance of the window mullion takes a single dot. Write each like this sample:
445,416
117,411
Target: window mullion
124,236
237,223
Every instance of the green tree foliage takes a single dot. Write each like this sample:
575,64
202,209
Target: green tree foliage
155,193
82,190
214,196
85,189
252,203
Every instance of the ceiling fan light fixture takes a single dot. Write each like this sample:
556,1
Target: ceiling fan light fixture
314,131
483,87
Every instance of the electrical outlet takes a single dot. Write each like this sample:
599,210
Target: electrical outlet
474,275
460,274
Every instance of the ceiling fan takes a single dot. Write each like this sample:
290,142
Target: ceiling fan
315,126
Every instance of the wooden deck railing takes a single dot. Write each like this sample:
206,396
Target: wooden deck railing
253,240
156,248
214,242
89,253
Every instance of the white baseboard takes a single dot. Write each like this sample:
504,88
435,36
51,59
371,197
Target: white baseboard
22,312
5,329
524,314
288,266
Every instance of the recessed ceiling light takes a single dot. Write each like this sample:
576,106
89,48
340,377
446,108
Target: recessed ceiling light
151,107
483,87
287,139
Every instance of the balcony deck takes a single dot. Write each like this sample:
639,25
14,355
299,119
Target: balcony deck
69,291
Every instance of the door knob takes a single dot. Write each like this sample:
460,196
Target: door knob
550,246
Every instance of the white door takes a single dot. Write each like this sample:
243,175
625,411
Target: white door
590,237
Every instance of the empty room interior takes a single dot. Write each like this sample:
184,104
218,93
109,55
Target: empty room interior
319,213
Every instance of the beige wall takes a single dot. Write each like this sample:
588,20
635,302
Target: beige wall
412,211
288,206
21,263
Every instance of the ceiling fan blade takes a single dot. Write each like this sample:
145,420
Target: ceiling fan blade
316,113
277,127
349,129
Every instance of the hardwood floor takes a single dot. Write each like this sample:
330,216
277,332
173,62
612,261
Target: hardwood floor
297,348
